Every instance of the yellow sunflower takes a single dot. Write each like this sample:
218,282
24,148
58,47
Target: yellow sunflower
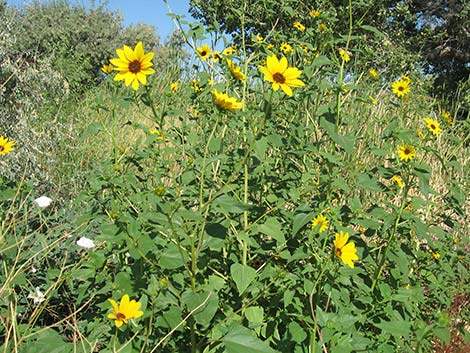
406,152
299,26
433,126
373,73
344,55
236,71
133,65
447,117
107,69
281,75
174,87
314,13
286,48
204,51
223,101
126,310
345,251
322,221
6,145
401,87
398,181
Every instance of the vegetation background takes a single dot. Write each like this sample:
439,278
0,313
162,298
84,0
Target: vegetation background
207,215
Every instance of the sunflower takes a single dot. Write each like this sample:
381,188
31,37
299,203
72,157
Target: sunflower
373,73
299,26
401,87
286,48
322,27
447,117
230,50
125,311
322,221
204,51
314,13
280,74
406,152
223,101
344,55
398,181
216,56
107,69
236,71
420,134
433,126
6,146
346,252
133,65
174,87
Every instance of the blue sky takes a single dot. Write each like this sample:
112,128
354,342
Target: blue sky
153,12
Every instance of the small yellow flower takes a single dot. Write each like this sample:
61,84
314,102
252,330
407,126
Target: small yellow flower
133,65
281,75
406,152
196,86
126,310
406,79
373,73
433,126
210,82
435,254
322,27
174,87
447,118
398,181
269,47
420,134
107,69
196,113
204,51
322,221
304,47
223,101
6,145
259,38
401,87
236,71
373,100
299,26
346,252
314,13
409,207
286,48
216,56
160,134
229,51
344,55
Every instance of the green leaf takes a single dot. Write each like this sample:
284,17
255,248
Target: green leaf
373,30
230,205
320,61
171,257
242,276
254,314
273,228
241,340
205,313
346,141
300,220
395,328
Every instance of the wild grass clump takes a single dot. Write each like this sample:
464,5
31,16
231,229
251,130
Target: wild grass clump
274,198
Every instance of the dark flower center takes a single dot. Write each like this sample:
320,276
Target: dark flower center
338,252
203,53
120,316
134,66
2,148
407,151
433,127
279,78
401,88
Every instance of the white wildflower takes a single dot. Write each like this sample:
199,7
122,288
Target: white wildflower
85,243
37,296
43,201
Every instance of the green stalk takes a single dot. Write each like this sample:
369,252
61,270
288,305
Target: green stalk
391,238
341,70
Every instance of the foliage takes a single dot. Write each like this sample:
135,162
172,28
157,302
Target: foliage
226,222
433,34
